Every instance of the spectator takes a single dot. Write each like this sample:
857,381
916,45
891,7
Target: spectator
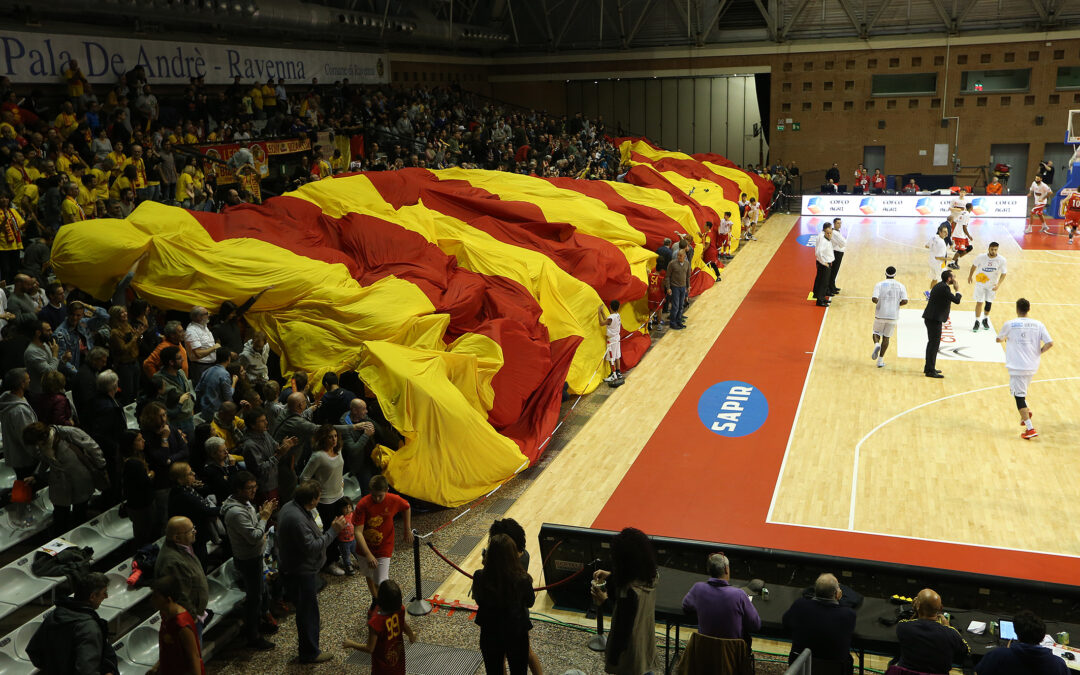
1025,654
42,354
124,351
722,610
216,385
180,634
254,356
374,514
275,409
137,488
821,624
246,528
296,424
177,559
833,173
262,453
928,644
73,460
106,424
385,627
357,444
200,343
663,255
631,645
16,414
227,426
73,638
186,500
219,469
165,445
334,402
56,311
346,540
676,282
51,405
301,554
22,302
298,384
173,337
76,335
84,384
503,593
178,393
326,467
228,326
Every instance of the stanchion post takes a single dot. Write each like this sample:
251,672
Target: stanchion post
598,642
418,606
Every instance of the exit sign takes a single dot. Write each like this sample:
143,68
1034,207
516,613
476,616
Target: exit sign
779,127
795,126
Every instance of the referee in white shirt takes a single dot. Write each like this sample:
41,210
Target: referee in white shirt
889,295
824,256
838,244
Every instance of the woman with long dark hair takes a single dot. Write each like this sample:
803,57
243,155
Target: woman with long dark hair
631,646
327,467
503,593
137,488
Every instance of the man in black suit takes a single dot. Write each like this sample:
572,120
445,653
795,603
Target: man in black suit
822,625
936,314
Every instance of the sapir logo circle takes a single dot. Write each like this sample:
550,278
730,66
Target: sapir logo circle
733,408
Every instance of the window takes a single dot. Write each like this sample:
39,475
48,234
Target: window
912,103
785,86
958,102
939,60
1068,77
808,66
871,63
905,84
787,66
828,86
916,61
395,75
827,106
849,85
806,106
849,64
935,103
829,65
1029,100
984,58
976,81
1059,54
1033,56
894,63
869,104
785,107
1054,99
1006,100
850,105
808,86
980,101
890,104
961,59
1076,98
1010,57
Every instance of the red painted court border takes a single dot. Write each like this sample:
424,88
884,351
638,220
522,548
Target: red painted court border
691,483
1037,241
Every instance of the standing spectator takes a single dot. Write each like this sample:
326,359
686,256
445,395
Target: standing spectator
821,624
200,343
334,402
928,644
357,444
16,414
180,636
838,244
228,326
72,459
833,173
296,424
12,231
165,444
934,316
124,352
84,384
177,559
56,311
503,593
326,467
631,646
73,638
137,488
385,627
301,554
186,501
823,259
42,354
216,385
106,424
346,540
1025,654
262,453
374,514
722,610
173,335
51,405
676,282
253,357
219,469
178,392
663,254
246,528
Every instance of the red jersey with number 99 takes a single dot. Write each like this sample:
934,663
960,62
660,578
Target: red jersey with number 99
389,655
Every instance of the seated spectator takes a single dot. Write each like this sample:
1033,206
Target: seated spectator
71,482
821,624
177,559
219,469
51,405
73,638
928,644
254,356
186,500
246,528
180,633
137,488
1023,655
722,610
16,414
215,386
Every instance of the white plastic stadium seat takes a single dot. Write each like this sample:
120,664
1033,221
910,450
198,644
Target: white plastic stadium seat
112,524
122,596
85,535
23,634
352,488
18,587
140,646
223,598
9,665
226,574
129,415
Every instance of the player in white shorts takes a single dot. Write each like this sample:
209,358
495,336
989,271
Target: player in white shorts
939,255
614,338
750,219
1025,342
1041,191
723,241
989,272
956,206
961,236
888,296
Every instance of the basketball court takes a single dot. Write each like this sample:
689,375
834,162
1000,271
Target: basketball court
766,423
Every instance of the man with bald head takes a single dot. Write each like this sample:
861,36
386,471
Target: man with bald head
722,610
357,444
177,559
928,644
821,624
294,423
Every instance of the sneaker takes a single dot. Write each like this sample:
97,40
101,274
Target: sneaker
1029,434
611,378
977,326
262,644
1070,240
881,363
954,265
986,323
926,294
349,571
321,658
335,569
877,350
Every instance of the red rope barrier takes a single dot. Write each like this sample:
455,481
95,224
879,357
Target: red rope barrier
451,563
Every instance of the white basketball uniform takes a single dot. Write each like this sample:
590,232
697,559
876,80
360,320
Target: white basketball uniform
889,293
987,273
1023,350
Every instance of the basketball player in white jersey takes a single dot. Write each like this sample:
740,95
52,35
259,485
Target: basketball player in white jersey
889,295
614,338
956,206
939,255
724,230
961,236
1026,340
989,272
1040,191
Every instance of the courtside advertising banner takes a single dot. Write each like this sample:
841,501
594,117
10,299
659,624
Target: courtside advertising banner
911,206
43,58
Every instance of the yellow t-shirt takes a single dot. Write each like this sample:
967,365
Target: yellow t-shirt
101,190
325,171
12,228
140,173
66,124
183,183
118,185
70,211
87,201
269,97
256,98
74,83
14,178
120,160
190,138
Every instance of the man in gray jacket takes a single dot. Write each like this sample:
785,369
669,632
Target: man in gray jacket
301,554
43,354
178,560
246,528
262,453
15,415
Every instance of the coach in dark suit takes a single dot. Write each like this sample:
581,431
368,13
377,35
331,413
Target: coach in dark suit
936,314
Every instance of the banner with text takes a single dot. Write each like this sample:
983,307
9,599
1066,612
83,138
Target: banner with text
913,206
260,153
43,57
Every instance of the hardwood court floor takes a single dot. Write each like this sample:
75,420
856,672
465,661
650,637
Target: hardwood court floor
888,451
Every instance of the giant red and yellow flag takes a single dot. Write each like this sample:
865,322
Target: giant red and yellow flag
464,299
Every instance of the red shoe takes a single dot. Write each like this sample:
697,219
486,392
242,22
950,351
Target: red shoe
1029,434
